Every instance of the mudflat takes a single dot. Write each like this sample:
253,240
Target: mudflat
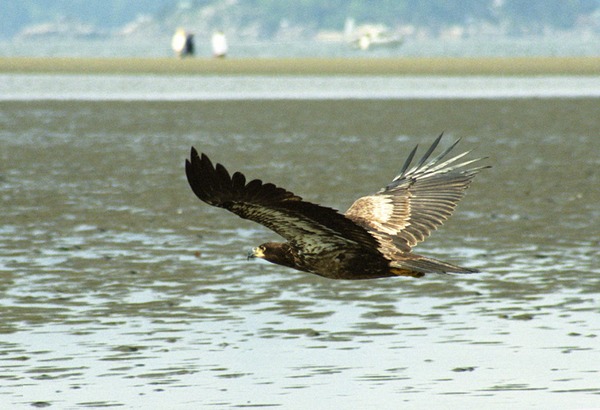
453,66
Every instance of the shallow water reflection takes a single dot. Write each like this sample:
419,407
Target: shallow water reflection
117,87
120,289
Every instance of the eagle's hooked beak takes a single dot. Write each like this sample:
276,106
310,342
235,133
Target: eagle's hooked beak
256,253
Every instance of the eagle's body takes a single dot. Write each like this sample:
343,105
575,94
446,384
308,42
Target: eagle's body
373,239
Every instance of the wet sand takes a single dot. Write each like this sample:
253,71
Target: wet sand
308,66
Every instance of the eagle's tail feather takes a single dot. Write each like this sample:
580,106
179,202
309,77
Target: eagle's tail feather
421,264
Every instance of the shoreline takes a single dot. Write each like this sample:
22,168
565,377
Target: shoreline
426,66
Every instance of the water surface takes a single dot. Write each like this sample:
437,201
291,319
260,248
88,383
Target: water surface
181,88
120,289
159,46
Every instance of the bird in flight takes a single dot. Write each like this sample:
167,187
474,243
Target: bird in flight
372,239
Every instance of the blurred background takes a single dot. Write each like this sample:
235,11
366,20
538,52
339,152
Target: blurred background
272,28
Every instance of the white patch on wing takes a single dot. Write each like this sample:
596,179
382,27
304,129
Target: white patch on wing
378,210
382,208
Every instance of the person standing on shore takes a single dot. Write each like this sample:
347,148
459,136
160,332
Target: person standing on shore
219,44
182,43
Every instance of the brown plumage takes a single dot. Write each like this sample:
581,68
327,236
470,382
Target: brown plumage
373,239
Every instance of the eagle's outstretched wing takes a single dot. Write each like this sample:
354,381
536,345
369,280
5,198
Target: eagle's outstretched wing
309,226
416,202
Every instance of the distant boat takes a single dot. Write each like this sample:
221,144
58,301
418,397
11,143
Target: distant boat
219,44
182,43
368,41
368,36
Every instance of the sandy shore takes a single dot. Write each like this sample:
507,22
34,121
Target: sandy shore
307,66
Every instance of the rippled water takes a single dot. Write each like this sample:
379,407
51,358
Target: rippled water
119,288
182,88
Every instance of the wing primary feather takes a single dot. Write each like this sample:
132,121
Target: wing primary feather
443,167
407,162
238,181
444,153
193,175
223,176
423,165
430,150
434,166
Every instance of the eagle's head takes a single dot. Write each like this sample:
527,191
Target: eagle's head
275,252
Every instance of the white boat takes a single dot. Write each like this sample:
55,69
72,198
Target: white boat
369,36
366,42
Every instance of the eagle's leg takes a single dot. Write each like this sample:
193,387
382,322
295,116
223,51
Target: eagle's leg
406,272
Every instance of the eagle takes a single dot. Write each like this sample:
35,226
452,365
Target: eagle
372,239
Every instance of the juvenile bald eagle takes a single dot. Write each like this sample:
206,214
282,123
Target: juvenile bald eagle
373,239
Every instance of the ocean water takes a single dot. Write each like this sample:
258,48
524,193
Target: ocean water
559,44
120,289
30,87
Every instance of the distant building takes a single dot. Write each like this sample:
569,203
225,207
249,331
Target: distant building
182,43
